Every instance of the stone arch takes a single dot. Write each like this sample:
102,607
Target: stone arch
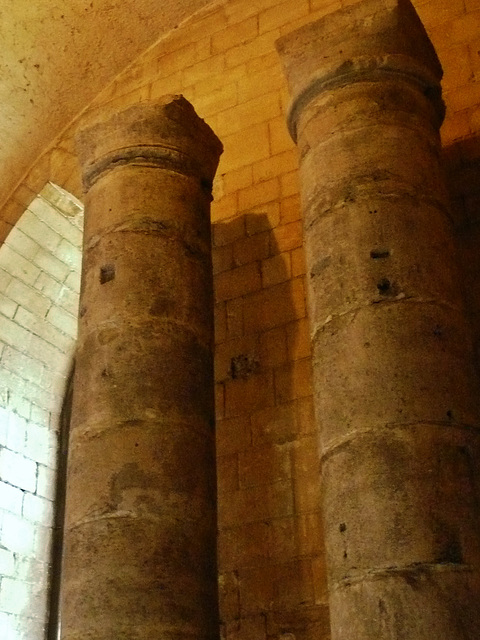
40,265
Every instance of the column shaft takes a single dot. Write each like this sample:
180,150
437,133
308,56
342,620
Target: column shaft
140,548
395,387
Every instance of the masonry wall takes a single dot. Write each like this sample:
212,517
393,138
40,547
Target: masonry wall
39,282
272,578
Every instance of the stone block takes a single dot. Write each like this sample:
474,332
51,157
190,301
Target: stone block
246,52
233,435
293,380
46,482
243,396
240,152
16,431
222,259
274,306
246,114
18,470
40,232
69,254
11,498
16,265
280,138
14,596
251,249
18,535
264,465
50,264
41,445
7,563
239,33
63,320
237,179
281,14
276,269
37,509
258,194
273,347
22,244
7,306
42,546
287,237
237,282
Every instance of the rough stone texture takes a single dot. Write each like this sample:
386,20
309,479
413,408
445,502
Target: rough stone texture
140,557
395,387
271,566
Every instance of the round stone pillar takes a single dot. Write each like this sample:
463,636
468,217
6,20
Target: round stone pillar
140,534
396,391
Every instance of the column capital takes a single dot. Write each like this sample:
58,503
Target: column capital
364,42
165,133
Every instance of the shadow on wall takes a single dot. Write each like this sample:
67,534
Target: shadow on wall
462,163
54,626
271,557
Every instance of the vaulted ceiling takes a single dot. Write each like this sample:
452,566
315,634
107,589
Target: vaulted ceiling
56,55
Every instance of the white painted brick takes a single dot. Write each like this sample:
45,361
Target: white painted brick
22,364
30,628
5,279
37,509
56,416
46,482
60,223
55,267
68,300
11,498
44,330
18,470
14,596
37,608
41,445
43,543
4,413
46,352
13,334
10,384
16,432
56,382
40,416
37,230
21,243
63,321
18,535
7,562
44,398
9,626
69,254
20,405
29,569
73,281
17,266
28,297
7,306
48,286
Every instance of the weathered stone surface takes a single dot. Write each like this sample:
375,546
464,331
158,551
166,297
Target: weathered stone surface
396,390
140,557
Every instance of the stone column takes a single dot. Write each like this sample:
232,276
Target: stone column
140,547
395,387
